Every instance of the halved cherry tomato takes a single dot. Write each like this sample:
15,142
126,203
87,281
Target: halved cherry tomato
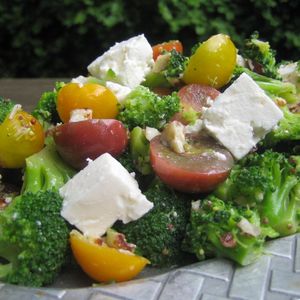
77,141
96,97
167,46
103,263
200,169
212,63
21,135
194,96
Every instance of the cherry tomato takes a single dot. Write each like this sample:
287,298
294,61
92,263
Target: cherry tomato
21,135
103,263
92,96
195,96
200,169
212,63
166,46
77,141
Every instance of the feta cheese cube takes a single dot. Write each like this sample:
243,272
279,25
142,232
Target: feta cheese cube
100,194
130,60
241,116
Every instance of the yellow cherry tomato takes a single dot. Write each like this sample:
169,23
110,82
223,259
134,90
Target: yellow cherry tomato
21,135
96,97
103,263
212,63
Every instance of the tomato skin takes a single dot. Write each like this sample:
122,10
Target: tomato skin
103,263
212,63
167,46
191,172
195,96
92,96
77,141
21,135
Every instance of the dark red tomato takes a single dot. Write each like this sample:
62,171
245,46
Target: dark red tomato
200,169
166,46
195,96
77,141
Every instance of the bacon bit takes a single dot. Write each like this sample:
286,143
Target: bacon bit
33,121
227,240
295,108
3,203
99,241
121,243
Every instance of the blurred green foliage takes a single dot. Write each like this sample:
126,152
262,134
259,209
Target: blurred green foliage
41,38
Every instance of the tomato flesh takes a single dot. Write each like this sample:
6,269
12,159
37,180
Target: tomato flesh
200,169
167,46
195,96
77,141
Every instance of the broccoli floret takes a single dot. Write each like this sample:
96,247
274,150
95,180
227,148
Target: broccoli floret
288,129
45,170
273,87
33,239
176,65
45,110
159,233
220,229
145,108
261,55
33,235
267,181
6,106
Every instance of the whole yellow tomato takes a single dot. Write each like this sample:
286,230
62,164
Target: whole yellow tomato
21,135
103,263
96,97
212,63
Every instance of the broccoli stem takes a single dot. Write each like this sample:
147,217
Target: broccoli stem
279,208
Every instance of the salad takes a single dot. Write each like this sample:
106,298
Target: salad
156,158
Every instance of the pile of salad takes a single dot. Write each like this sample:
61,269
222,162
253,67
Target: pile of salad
157,157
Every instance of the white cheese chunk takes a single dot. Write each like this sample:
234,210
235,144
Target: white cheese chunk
130,60
100,194
119,90
79,114
241,116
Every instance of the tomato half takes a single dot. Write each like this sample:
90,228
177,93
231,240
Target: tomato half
96,97
212,63
200,169
21,135
103,263
194,96
167,46
77,141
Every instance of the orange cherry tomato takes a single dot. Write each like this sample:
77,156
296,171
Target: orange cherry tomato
167,46
21,135
103,263
96,97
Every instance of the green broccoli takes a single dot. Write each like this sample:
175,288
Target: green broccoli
168,71
45,110
261,55
221,229
145,108
273,87
288,129
267,181
159,233
33,235
6,105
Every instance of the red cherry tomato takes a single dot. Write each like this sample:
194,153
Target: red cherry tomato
77,141
166,46
200,169
195,96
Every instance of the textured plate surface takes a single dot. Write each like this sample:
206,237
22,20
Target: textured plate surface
276,275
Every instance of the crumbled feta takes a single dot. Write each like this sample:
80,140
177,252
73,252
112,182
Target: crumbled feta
130,60
290,73
77,115
100,194
151,133
241,116
194,128
81,80
119,90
